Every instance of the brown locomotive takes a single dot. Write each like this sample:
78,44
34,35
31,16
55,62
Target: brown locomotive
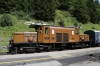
48,38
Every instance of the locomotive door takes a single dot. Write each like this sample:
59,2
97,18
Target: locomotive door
46,34
74,36
40,35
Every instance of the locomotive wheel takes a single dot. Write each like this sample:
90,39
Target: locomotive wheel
70,46
38,50
86,45
49,49
10,50
98,45
82,46
14,50
29,50
61,48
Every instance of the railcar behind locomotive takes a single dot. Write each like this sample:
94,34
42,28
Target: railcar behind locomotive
94,36
48,38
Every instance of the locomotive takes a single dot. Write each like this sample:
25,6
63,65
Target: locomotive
48,38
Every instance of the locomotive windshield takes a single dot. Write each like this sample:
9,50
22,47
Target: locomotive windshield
77,31
40,31
46,30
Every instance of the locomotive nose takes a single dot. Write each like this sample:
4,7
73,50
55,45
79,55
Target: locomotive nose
30,39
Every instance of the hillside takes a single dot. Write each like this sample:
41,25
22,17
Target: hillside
19,26
70,21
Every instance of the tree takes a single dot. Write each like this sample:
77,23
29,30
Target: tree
5,21
61,23
66,5
63,4
44,9
4,6
80,11
93,10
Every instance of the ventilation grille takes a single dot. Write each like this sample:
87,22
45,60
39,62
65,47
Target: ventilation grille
65,37
58,37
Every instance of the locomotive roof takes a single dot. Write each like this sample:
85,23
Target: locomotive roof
58,27
82,34
94,30
24,32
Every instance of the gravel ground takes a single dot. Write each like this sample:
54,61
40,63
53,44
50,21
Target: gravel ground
93,61
86,51
3,48
86,63
67,53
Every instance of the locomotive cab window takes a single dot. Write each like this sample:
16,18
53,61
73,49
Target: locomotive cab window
40,31
46,30
77,31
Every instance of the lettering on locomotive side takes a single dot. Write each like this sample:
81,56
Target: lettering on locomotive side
71,40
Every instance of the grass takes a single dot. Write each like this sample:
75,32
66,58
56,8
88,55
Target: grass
3,50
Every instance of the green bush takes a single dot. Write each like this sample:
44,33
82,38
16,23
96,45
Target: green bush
75,24
27,18
61,23
6,20
20,14
93,27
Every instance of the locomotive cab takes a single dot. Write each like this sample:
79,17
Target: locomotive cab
43,34
50,34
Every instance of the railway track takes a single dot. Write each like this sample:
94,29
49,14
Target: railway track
7,53
4,53
43,51
75,51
